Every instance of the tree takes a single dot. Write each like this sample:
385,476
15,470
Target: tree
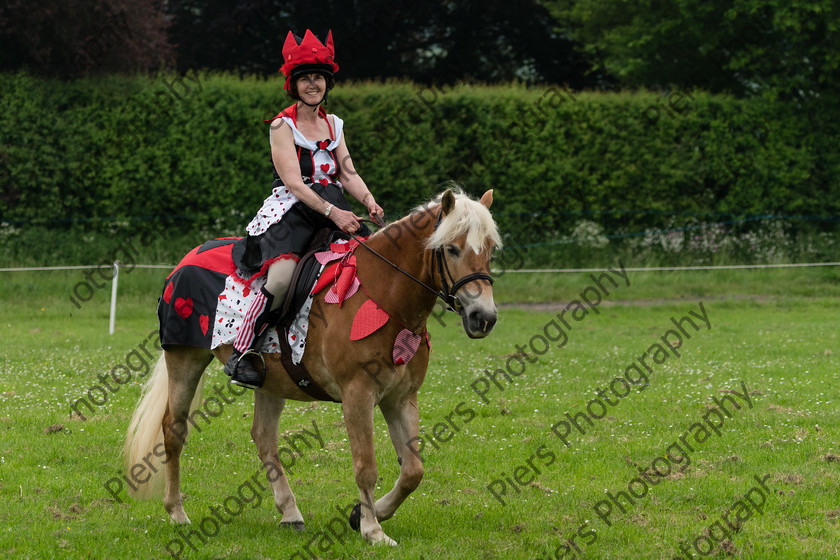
424,40
787,48
73,38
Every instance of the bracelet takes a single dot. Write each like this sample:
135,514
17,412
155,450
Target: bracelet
365,197
328,210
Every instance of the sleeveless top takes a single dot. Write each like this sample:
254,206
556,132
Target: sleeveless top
318,164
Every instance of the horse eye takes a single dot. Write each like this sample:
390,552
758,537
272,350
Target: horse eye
453,250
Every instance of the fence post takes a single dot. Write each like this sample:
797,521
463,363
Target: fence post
114,296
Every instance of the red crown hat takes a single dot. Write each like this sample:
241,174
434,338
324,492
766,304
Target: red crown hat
308,56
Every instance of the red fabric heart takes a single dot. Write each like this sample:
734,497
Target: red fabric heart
325,167
167,293
346,278
405,346
324,182
326,279
332,297
369,319
204,322
184,307
326,257
322,145
344,247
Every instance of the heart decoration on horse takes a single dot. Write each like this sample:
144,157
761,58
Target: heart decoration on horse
391,283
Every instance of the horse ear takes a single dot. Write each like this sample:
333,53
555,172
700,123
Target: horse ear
447,202
487,199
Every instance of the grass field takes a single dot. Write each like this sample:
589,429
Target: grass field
499,481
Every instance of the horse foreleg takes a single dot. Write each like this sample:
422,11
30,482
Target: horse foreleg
265,433
185,367
357,406
403,424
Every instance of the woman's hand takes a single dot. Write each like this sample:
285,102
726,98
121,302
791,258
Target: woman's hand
375,211
346,221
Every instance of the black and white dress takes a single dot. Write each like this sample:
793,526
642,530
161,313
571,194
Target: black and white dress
284,226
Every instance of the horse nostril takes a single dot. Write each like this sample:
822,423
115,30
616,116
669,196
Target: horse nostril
489,322
482,321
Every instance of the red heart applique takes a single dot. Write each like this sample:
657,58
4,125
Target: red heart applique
327,278
184,307
167,293
369,319
322,145
324,182
405,346
204,323
325,167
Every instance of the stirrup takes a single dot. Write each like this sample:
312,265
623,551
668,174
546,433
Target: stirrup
245,375
254,352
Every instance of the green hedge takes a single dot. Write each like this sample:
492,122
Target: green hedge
191,152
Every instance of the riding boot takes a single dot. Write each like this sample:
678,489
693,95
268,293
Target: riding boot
258,320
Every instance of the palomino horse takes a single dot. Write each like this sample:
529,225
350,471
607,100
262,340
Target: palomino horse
443,250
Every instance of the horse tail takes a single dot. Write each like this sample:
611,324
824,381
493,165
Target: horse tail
145,432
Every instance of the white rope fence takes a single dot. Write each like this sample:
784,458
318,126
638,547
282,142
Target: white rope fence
673,268
117,265
116,277
85,267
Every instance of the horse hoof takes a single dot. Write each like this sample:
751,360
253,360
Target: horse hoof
298,526
381,539
179,518
387,541
356,518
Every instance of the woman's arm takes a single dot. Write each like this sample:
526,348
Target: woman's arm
284,156
353,182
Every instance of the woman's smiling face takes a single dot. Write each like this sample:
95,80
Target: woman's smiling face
311,87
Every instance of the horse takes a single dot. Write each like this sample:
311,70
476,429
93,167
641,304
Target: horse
442,249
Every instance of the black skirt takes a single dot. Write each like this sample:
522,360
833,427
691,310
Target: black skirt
291,236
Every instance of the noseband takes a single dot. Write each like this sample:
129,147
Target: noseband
450,285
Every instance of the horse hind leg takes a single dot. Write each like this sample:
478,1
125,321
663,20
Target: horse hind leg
186,367
266,436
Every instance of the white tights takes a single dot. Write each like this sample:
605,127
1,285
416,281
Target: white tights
278,280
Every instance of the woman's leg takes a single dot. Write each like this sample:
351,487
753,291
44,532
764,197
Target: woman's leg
261,316
278,280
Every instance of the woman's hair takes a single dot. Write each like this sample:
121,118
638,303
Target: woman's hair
293,92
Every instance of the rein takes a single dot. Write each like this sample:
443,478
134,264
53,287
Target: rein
448,294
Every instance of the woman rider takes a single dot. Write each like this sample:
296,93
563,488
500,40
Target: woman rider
312,169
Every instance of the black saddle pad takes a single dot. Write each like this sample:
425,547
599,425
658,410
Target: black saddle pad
306,274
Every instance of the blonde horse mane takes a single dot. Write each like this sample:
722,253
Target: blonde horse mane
469,217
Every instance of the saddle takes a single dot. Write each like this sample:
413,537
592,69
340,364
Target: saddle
304,277
305,274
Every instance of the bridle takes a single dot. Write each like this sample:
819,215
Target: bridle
450,285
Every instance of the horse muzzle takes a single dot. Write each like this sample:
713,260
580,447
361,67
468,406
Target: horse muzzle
479,321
